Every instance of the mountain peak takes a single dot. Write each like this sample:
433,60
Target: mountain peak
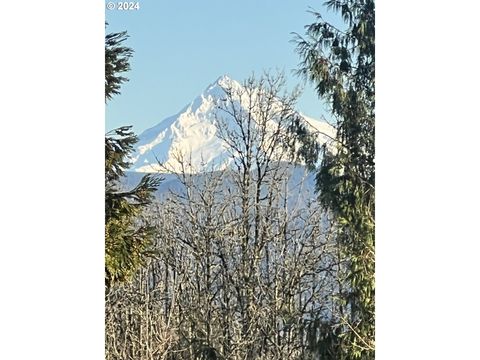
222,82
191,132
223,79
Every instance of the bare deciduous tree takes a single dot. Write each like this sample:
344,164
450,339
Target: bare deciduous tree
246,267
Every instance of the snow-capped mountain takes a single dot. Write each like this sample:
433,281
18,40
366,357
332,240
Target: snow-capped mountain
193,133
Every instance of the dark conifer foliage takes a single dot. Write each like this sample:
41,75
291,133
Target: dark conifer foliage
117,62
128,235
341,65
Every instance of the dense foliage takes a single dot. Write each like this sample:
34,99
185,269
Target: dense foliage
127,235
117,62
341,64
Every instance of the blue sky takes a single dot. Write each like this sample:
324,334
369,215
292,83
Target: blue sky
183,46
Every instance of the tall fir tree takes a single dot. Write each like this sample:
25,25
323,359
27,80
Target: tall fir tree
341,65
117,62
128,235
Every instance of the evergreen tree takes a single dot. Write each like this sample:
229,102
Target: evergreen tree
341,64
128,235
117,62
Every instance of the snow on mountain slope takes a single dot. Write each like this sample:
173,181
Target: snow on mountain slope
193,133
